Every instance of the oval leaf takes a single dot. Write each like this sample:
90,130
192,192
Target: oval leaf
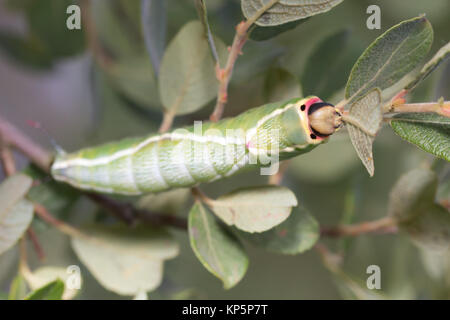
363,122
276,12
428,131
16,212
390,57
187,79
125,260
295,235
51,291
216,248
255,209
44,275
412,203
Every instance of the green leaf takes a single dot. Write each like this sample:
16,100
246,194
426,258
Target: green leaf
363,122
281,85
187,79
44,275
390,57
412,193
133,76
16,213
154,28
258,33
428,131
255,209
18,289
125,260
323,79
216,248
51,291
412,203
440,56
276,12
295,235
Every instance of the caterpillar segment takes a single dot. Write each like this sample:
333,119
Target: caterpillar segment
201,153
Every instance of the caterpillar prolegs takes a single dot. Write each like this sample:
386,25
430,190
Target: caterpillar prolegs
205,152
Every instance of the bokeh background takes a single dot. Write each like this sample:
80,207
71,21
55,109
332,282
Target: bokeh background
80,103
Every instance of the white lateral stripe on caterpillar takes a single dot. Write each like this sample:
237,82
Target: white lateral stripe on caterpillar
170,136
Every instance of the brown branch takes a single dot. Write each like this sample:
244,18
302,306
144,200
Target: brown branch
123,211
384,225
14,137
130,214
224,75
36,244
7,160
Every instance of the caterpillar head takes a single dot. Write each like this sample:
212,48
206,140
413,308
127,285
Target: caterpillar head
324,119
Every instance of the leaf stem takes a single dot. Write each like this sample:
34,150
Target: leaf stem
383,225
65,228
441,107
13,137
167,121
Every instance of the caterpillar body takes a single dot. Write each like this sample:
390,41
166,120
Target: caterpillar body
189,156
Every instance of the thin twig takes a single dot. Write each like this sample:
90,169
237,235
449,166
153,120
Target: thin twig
224,75
442,108
167,121
13,137
36,244
7,160
277,178
383,225
131,215
45,215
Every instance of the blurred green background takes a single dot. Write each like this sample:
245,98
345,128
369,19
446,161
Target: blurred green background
47,74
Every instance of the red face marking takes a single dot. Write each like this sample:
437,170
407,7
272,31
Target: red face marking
310,102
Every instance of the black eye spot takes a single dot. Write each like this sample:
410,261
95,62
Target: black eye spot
313,136
303,107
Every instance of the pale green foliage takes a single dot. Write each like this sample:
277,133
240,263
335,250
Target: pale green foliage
15,211
282,11
428,131
216,248
187,78
51,291
363,122
255,209
413,204
41,276
295,235
125,260
390,57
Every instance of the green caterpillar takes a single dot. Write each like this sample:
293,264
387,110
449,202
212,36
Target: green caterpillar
186,157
